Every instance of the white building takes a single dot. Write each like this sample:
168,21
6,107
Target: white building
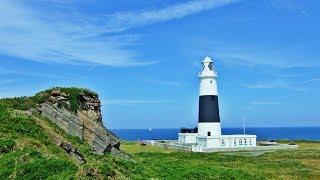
209,128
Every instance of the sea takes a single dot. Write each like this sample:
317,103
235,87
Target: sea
272,133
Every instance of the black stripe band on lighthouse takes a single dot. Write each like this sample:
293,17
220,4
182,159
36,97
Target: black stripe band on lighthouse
209,118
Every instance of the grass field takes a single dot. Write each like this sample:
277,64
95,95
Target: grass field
27,151
303,163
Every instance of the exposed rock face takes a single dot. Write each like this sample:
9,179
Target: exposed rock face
86,123
90,107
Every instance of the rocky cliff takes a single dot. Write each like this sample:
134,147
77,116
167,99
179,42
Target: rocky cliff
78,113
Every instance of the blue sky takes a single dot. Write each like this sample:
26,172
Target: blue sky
143,57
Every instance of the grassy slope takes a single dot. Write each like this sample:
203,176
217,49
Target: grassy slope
27,151
294,164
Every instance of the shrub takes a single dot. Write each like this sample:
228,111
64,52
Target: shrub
107,170
41,168
6,145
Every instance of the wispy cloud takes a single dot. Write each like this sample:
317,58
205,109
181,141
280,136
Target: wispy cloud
39,74
276,59
31,33
291,5
277,84
267,85
167,83
312,80
250,55
265,103
256,103
6,82
135,101
171,83
125,20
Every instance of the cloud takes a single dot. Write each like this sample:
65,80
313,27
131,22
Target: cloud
171,83
135,101
266,85
6,82
277,84
312,80
167,83
256,103
275,56
40,74
30,32
291,5
265,103
125,20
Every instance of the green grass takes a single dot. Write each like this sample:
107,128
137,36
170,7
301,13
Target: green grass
134,147
28,152
303,163
28,163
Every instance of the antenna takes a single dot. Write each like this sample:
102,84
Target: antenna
243,125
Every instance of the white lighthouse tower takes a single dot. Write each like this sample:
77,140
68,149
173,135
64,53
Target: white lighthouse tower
209,118
208,137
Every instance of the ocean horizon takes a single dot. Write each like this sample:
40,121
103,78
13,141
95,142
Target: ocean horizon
263,133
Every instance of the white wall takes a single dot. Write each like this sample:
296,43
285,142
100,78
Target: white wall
240,142
213,127
188,138
208,86
227,141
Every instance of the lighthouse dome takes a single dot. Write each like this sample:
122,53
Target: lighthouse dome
207,60
207,68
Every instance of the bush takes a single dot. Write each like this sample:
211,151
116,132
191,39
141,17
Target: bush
6,145
107,170
41,168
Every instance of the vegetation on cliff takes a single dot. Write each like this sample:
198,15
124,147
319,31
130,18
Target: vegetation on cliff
25,103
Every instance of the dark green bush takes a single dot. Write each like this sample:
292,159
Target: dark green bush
6,145
41,168
107,170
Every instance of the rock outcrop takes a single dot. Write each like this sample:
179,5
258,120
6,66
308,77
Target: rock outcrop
81,117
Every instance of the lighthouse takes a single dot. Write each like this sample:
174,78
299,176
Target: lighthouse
207,137
209,118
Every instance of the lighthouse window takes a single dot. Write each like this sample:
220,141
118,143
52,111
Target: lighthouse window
223,142
209,133
210,81
240,141
211,66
